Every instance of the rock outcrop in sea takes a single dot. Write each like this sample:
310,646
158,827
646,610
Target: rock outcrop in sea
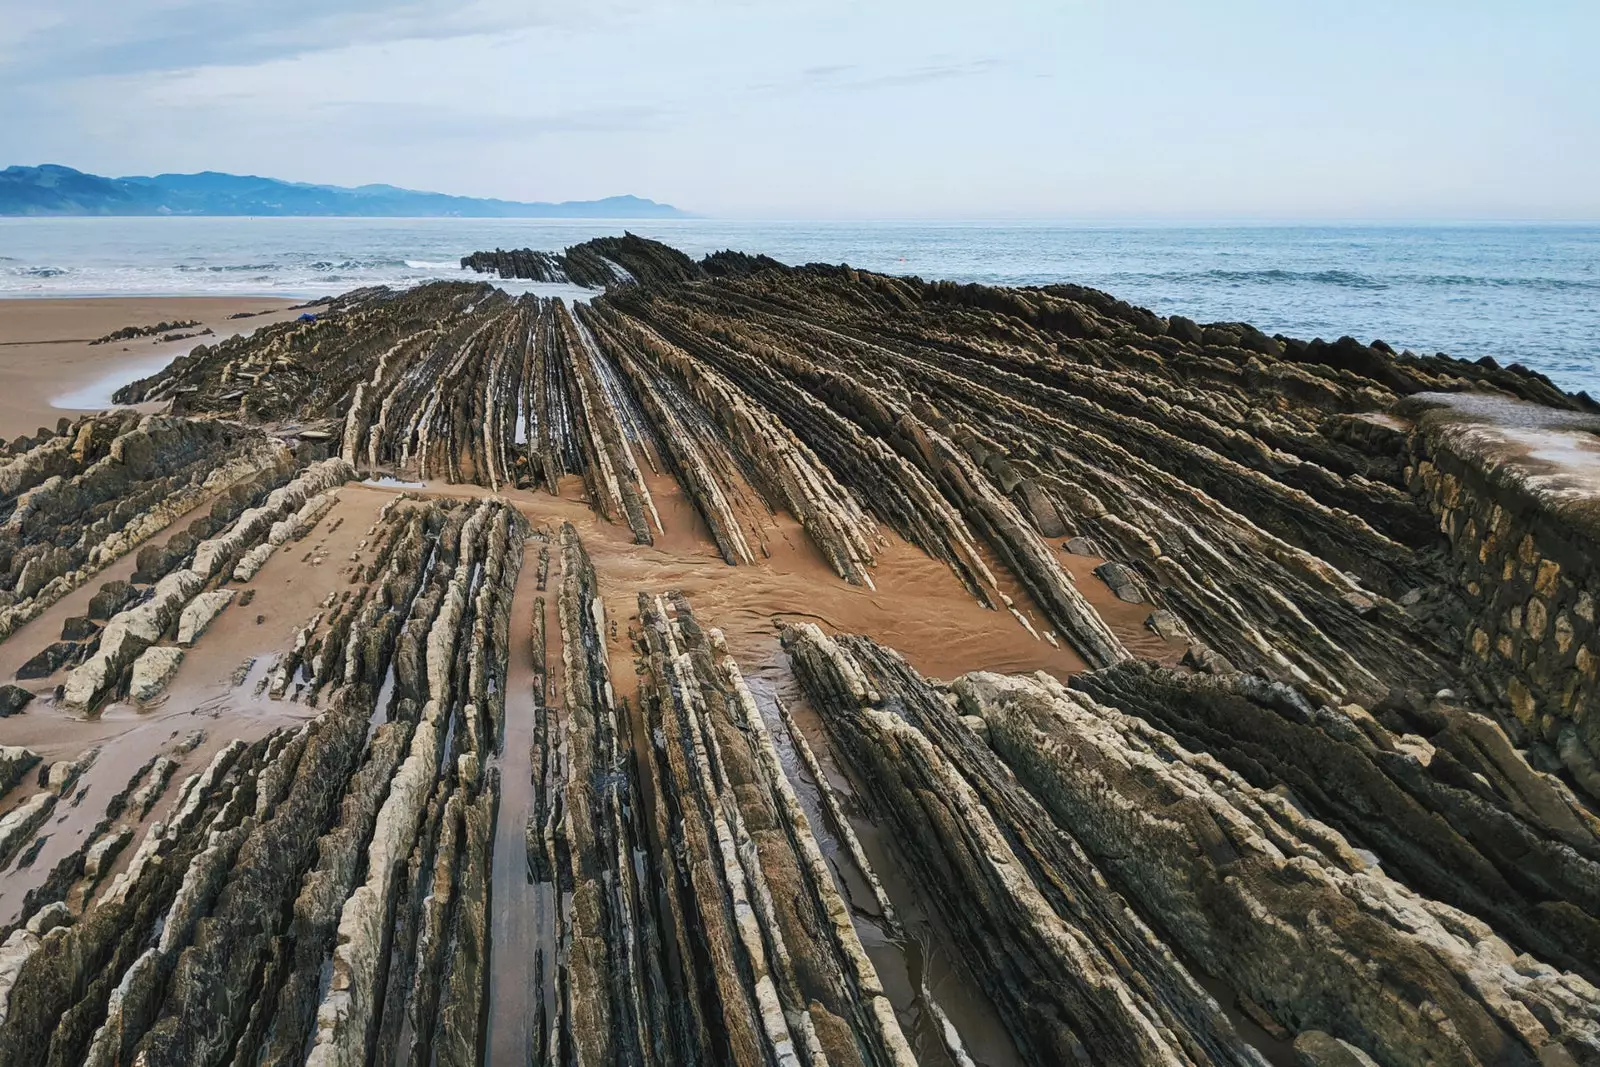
763,665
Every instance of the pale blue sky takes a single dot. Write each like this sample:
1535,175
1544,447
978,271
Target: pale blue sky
833,108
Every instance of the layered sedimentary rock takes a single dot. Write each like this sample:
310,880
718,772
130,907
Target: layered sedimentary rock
1354,824
749,887
728,942
77,501
1244,485
599,262
271,866
1077,977
179,597
1234,875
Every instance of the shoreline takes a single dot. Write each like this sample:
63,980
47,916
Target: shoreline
49,368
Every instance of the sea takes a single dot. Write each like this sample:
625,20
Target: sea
1521,293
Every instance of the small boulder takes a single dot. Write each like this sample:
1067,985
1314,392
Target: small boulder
136,451
61,776
152,671
1186,330
1206,660
198,614
50,917
78,628
1166,625
13,698
111,598
1084,546
51,659
1123,582
15,762
104,852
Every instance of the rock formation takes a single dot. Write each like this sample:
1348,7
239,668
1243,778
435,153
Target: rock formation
208,947
1312,777
597,263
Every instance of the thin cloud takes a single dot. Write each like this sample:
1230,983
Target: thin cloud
923,75
385,121
827,71
100,38
851,76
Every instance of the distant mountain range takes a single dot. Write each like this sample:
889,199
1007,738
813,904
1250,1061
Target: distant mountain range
56,190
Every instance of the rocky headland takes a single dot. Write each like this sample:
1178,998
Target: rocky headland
769,665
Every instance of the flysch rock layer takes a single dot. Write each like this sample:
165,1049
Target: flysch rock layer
1248,486
751,882
1075,974
1234,876
131,631
1249,864
215,941
77,501
1355,825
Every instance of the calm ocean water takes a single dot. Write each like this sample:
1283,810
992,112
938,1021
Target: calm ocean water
1528,293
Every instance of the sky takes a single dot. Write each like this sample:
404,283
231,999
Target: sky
1120,109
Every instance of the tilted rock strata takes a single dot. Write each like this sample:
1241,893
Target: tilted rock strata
131,631
209,946
1442,798
732,818
1077,977
726,942
1230,871
1372,761
491,539
80,500
1235,478
599,262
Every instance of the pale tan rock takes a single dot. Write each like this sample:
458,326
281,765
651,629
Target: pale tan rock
152,671
200,612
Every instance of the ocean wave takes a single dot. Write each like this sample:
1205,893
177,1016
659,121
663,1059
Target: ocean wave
42,272
1347,279
326,265
1554,285
224,268
423,264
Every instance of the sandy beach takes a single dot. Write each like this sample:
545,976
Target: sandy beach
48,368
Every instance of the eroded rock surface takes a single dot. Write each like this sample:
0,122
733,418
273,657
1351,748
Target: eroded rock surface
1314,781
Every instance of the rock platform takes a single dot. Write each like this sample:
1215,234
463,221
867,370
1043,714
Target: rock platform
769,665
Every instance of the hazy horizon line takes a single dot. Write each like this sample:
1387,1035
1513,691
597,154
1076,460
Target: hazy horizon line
1087,221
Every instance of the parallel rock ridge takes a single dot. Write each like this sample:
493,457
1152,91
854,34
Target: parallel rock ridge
1355,825
102,486
600,262
1074,792
343,848
1254,487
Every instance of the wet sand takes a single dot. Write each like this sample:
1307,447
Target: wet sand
46,358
